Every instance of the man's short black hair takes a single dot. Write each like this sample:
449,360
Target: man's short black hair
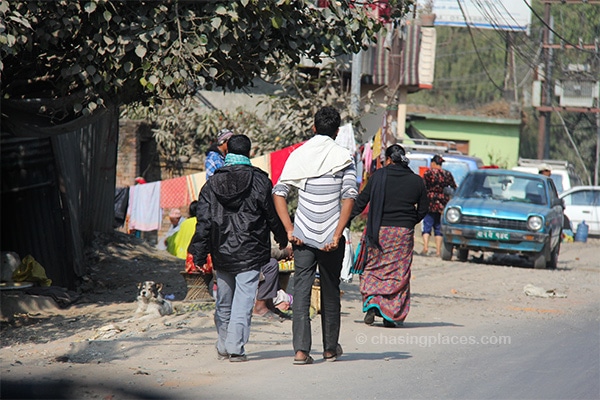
327,121
239,144
193,208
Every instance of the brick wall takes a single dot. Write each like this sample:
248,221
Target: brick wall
137,156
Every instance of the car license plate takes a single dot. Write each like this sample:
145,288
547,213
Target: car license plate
492,235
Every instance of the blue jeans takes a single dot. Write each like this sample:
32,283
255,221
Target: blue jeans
233,313
306,259
432,221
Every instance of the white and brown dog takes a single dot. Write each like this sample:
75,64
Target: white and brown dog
151,302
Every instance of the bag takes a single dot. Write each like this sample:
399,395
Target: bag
346,274
192,268
360,261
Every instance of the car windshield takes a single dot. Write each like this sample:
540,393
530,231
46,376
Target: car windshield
504,187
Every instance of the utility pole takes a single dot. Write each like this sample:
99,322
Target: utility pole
543,148
355,84
545,107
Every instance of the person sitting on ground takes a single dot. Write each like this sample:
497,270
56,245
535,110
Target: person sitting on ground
271,299
176,221
178,243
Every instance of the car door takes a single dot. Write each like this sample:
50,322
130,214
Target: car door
582,205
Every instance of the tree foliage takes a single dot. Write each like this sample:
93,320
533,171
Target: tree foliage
185,129
124,51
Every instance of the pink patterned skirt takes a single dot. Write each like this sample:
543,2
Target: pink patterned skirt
385,282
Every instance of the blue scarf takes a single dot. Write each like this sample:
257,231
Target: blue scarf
236,159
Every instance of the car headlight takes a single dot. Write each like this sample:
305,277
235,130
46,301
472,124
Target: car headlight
535,223
453,215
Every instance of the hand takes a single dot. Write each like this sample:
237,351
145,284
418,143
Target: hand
333,245
293,239
289,252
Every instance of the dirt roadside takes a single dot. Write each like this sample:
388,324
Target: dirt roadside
91,338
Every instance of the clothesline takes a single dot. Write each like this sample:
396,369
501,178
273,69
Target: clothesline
148,201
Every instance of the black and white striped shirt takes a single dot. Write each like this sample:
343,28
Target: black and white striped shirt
319,205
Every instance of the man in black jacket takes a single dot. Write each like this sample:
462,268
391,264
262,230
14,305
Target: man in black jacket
235,215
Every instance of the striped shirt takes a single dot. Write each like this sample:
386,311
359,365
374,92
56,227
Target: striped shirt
319,205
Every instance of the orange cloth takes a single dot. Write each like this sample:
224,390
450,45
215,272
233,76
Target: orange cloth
174,193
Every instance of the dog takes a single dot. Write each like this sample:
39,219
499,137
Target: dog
151,302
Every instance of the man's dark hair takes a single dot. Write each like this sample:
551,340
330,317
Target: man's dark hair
239,144
193,208
327,121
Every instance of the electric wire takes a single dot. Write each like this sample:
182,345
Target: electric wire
575,47
475,47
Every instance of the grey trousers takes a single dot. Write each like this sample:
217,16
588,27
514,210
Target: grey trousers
233,313
268,288
306,260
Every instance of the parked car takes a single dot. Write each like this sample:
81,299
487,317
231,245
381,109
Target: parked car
504,211
582,203
563,173
458,164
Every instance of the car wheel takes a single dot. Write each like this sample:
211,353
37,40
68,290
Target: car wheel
539,261
463,254
553,261
447,251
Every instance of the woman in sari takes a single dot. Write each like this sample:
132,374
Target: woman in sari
397,200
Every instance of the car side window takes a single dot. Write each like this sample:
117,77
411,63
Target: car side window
582,198
557,180
553,192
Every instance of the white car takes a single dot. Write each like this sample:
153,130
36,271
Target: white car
582,203
563,173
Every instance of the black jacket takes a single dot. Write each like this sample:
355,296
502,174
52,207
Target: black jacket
405,201
235,215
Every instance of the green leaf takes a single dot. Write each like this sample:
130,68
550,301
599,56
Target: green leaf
128,67
277,22
216,22
107,15
153,79
221,10
143,81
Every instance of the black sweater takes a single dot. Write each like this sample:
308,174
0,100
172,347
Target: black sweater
405,202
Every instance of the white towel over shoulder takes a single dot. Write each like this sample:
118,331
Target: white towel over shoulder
318,156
